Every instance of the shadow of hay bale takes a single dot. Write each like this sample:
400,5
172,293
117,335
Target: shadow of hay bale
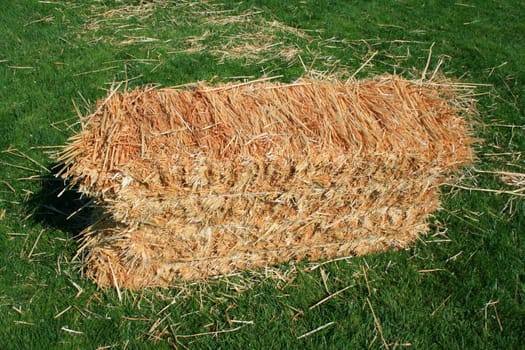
59,206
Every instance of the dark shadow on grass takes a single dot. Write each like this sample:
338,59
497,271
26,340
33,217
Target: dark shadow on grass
58,206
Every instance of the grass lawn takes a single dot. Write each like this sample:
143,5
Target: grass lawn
461,286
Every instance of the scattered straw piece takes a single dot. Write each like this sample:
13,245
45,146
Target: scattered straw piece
34,244
115,281
71,331
20,154
8,185
330,297
430,270
79,289
516,193
214,333
440,306
377,324
313,331
486,307
63,312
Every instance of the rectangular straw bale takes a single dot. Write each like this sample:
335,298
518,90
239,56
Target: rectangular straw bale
207,181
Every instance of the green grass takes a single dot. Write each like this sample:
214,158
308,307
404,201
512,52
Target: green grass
462,286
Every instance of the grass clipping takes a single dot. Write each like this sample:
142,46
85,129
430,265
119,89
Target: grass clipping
201,182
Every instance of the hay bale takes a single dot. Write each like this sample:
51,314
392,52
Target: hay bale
201,182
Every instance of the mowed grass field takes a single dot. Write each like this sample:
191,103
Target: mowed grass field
462,286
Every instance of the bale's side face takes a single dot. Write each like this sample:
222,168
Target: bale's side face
207,181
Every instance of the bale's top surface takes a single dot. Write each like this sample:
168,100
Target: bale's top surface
134,134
